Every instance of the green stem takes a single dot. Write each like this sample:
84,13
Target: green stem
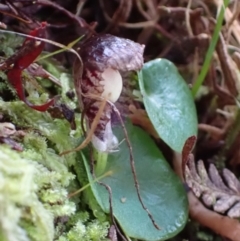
210,51
101,164
69,46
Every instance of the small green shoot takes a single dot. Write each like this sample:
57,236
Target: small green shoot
109,173
208,58
67,47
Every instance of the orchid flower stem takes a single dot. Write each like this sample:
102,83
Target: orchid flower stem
101,164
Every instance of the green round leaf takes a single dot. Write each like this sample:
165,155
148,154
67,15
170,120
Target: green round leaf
161,190
168,102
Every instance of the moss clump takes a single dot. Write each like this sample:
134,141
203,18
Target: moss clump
19,200
35,183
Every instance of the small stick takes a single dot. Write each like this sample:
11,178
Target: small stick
230,75
82,23
187,18
80,5
67,48
133,166
109,190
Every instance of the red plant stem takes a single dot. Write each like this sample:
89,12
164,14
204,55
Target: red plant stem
33,48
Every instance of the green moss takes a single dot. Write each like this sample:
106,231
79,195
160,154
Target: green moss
9,42
19,200
38,183
91,231
35,183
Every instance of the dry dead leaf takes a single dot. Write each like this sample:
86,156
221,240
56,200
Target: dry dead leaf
222,193
7,129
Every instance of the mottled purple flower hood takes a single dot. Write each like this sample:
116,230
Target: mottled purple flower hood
108,51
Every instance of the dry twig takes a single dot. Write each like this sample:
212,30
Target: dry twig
222,225
211,187
228,67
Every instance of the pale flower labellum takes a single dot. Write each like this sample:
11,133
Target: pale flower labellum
112,84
